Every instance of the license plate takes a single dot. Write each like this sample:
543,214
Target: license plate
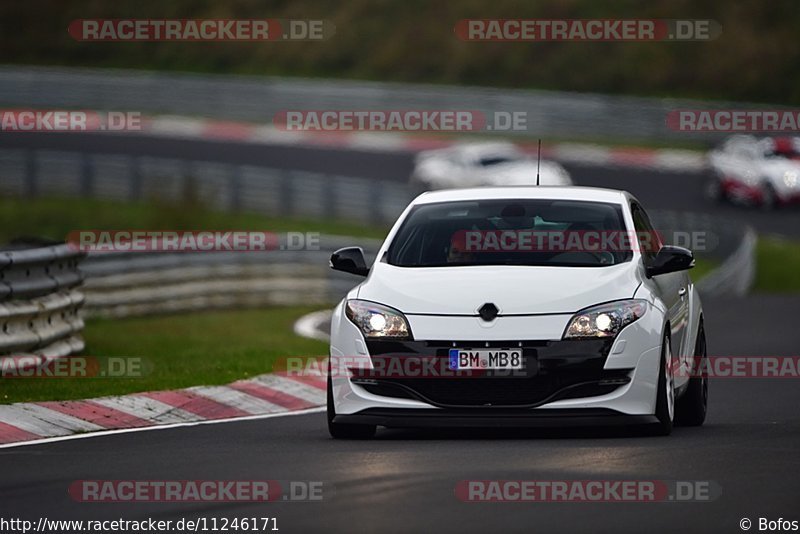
508,359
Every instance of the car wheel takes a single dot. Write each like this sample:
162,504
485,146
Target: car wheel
339,430
769,198
690,409
665,394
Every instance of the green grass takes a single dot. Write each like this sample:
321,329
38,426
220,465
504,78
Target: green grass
176,352
55,217
778,265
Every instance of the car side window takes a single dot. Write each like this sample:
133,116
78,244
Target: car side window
648,239
466,161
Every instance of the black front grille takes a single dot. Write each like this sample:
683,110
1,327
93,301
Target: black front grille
553,370
380,387
494,391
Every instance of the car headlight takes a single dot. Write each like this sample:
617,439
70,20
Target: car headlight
790,178
750,178
605,320
376,320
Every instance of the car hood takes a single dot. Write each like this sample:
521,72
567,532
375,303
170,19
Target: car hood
775,169
513,289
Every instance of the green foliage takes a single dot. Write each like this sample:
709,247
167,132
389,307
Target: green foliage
56,217
755,59
778,265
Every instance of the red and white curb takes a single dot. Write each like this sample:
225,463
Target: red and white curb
670,160
265,394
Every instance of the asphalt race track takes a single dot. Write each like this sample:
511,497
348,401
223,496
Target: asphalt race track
404,480
656,190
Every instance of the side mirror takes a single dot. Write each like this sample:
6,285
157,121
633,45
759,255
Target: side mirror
350,260
671,259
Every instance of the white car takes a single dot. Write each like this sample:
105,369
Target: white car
471,165
750,171
466,320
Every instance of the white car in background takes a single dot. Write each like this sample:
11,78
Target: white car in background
443,334
751,171
478,164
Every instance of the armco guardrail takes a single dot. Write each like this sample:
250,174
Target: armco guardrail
28,270
277,192
735,276
138,283
550,114
39,303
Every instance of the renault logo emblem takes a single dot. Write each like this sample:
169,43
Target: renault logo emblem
488,312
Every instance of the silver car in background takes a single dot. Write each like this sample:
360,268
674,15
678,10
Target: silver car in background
478,164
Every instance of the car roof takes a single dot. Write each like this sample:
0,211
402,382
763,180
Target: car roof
482,148
595,194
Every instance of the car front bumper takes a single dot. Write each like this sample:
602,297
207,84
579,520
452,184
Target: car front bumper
422,418
634,355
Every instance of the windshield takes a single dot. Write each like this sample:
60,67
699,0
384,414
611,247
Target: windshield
490,161
512,232
783,148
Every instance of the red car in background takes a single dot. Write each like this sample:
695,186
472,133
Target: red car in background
761,172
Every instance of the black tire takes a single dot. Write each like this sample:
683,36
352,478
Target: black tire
691,407
665,418
342,431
